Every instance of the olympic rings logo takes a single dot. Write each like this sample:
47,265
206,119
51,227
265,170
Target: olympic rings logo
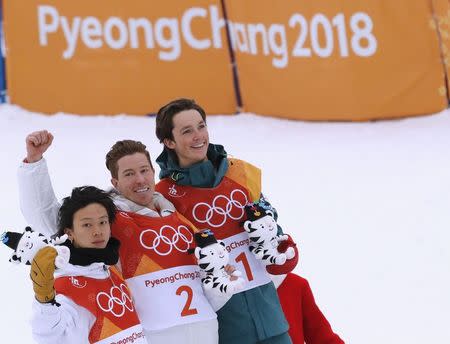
117,299
125,215
167,239
222,212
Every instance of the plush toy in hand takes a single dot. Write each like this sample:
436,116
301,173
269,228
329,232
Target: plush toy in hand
262,229
212,257
290,263
28,243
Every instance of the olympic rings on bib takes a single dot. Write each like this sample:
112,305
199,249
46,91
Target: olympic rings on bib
215,215
167,239
117,298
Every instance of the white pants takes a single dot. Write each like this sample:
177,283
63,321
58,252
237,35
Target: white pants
208,331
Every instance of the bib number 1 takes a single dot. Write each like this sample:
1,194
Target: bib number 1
241,257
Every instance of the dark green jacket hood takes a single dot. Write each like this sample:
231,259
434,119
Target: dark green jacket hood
205,174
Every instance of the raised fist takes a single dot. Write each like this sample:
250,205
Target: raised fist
37,143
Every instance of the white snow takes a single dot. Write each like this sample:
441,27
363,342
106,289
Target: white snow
368,204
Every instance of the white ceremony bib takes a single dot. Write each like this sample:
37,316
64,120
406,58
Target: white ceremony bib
253,271
170,297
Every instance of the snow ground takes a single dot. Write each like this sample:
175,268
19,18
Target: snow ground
368,204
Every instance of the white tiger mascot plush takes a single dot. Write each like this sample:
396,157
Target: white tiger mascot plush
212,257
28,243
262,231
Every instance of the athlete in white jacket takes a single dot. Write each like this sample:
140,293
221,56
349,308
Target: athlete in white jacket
71,323
85,300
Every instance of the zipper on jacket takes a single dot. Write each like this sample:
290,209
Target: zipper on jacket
108,272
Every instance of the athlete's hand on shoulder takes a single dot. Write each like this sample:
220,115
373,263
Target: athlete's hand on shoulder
37,144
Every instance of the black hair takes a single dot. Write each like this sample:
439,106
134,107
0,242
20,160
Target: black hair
82,197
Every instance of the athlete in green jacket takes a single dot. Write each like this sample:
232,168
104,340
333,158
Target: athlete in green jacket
196,174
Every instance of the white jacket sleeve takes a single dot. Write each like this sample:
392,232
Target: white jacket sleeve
68,323
36,196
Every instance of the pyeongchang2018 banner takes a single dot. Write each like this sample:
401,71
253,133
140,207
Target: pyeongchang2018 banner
111,56
311,60
340,60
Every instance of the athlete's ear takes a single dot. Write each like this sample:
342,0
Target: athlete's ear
114,182
169,143
69,233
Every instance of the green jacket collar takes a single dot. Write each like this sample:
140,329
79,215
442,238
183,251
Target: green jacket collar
204,174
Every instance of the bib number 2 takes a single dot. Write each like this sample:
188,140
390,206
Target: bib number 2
187,310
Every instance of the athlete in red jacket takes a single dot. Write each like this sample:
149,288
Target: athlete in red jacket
307,324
